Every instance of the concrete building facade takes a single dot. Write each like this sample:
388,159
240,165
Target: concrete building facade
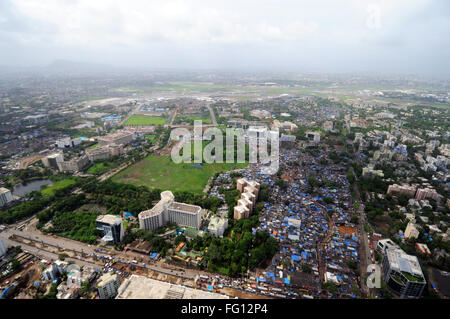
3,247
53,160
67,143
167,210
110,228
104,152
402,274
411,231
74,165
5,196
217,226
249,195
402,190
107,286
119,138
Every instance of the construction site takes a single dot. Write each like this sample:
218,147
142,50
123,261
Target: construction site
24,282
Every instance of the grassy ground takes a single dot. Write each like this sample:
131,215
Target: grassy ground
92,98
160,172
142,120
58,185
204,119
102,168
99,169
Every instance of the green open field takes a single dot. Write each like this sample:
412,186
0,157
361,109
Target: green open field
204,143
205,119
58,185
142,120
99,169
161,172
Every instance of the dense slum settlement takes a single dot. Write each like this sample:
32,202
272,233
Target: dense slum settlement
302,221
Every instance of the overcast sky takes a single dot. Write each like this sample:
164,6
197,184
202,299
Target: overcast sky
393,36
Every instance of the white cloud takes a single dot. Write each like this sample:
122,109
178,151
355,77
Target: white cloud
325,33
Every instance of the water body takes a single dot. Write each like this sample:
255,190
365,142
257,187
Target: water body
22,190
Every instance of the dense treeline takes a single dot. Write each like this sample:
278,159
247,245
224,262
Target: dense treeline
241,252
377,185
64,205
37,203
121,197
80,226
25,209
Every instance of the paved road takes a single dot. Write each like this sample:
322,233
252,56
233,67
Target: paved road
68,244
213,116
364,251
172,118
44,254
30,232
109,174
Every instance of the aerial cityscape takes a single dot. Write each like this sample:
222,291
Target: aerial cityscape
93,204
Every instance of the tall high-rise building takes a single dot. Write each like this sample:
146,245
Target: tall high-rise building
402,274
110,227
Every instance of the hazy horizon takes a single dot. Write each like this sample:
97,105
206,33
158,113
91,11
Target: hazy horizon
376,36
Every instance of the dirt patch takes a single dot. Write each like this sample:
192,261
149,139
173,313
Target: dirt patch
346,230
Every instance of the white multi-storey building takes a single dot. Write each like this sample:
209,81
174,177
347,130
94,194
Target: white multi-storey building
167,210
249,194
122,137
402,274
3,247
50,272
217,226
67,142
5,196
107,286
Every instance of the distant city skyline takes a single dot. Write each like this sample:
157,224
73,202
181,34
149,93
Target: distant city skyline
394,37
